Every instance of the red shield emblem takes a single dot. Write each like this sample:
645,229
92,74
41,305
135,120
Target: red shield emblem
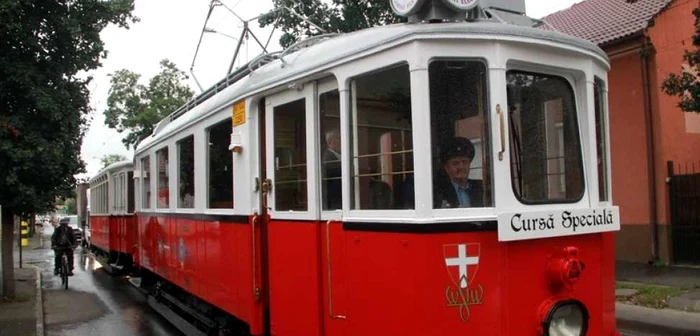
462,262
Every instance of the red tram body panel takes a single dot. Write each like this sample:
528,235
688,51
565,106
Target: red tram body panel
99,232
209,259
123,235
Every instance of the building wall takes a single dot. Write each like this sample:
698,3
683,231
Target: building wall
628,155
677,134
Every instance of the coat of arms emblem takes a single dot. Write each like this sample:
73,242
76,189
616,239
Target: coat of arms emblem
462,263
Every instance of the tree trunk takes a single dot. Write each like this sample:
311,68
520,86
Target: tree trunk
8,267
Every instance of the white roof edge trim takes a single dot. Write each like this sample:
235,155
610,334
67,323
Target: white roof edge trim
482,31
114,166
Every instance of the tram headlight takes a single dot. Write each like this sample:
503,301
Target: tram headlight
566,318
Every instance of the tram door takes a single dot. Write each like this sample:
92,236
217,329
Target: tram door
292,197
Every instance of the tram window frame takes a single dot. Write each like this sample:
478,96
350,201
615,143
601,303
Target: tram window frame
224,124
123,192
115,193
355,188
483,144
190,140
602,138
295,132
164,187
146,185
334,166
572,104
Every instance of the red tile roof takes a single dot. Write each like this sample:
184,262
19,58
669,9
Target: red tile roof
603,21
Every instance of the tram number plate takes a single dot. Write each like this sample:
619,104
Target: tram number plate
543,224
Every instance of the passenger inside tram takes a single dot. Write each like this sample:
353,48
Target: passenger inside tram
331,171
453,187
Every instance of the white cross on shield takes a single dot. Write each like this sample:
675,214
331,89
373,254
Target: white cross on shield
462,261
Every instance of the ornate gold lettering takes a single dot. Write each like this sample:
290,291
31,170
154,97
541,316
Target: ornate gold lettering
463,298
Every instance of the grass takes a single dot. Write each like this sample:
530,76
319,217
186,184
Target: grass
649,295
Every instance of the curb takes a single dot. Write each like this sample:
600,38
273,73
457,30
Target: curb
662,321
39,303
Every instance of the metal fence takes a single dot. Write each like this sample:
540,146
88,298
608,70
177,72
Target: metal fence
684,192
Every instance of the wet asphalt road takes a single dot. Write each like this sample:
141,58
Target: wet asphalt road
96,303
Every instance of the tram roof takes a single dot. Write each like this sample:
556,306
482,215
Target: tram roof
114,166
323,55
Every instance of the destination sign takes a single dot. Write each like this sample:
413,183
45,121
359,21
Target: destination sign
543,224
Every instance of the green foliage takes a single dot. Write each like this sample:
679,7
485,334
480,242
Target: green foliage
136,109
111,158
338,16
44,99
685,84
71,207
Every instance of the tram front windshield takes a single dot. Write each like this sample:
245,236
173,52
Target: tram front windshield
461,148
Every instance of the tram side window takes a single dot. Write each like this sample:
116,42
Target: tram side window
545,147
220,166
332,187
461,153
146,182
163,174
185,149
114,195
122,192
290,156
130,192
382,140
601,139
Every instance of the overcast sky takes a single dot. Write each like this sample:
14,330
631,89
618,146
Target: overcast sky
171,29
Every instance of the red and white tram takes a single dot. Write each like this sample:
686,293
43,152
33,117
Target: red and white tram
113,234
413,179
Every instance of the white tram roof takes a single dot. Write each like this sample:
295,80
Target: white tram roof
126,164
326,54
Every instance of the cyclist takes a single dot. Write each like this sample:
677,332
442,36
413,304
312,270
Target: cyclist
63,241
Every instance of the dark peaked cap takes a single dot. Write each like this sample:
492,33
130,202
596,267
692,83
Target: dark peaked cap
457,147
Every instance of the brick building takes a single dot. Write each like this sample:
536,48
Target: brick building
645,40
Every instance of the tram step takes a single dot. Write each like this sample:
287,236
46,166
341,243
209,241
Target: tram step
117,267
174,318
136,282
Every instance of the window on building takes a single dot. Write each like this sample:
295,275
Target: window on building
163,175
220,166
382,140
290,156
601,139
185,149
545,147
146,182
461,156
331,186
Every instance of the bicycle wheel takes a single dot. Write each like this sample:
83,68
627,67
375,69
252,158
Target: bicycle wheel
64,271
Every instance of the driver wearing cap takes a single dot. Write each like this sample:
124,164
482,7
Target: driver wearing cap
458,191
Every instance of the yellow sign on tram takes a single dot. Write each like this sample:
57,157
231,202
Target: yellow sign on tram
238,113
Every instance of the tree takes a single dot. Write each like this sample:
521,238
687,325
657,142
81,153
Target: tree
686,85
47,46
71,207
136,109
111,158
340,16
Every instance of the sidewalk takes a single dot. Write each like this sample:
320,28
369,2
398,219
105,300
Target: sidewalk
24,316
663,300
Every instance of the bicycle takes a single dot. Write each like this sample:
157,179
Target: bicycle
63,269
